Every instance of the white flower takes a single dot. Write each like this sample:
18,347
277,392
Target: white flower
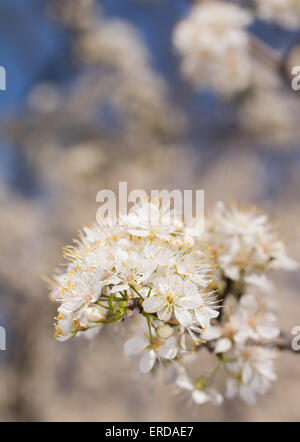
250,321
148,218
68,324
224,334
244,240
173,295
195,265
214,46
78,289
284,12
260,282
150,351
130,270
252,373
260,324
64,327
207,310
199,395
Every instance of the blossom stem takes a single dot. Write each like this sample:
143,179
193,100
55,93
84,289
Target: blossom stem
116,318
149,326
134,289
104,306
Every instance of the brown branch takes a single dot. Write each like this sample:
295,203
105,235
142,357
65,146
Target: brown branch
284,343
270,56
277,60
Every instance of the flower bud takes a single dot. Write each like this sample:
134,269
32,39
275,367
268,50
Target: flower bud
165,331
94,314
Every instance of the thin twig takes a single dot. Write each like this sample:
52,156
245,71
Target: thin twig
284,343
263,51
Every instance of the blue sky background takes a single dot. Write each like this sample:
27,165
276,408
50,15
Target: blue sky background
35,48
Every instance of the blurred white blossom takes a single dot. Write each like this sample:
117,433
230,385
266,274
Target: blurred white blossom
252,373
214,46
284,12
244,240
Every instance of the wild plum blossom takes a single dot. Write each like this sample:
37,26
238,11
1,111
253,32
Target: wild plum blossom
152,217
209,291
198,391
213,43
252,373
130,269
172,294
251,320
77,289
151,349
284,12
65,326
244,240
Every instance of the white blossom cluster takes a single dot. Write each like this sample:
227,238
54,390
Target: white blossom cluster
214,41
214,46
190,293
286,13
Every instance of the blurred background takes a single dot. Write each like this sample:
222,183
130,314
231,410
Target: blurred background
95,96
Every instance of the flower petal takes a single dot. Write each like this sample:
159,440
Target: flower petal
134,345
183,382
223,345
147,361
184,317
152,304
169,349
200,397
